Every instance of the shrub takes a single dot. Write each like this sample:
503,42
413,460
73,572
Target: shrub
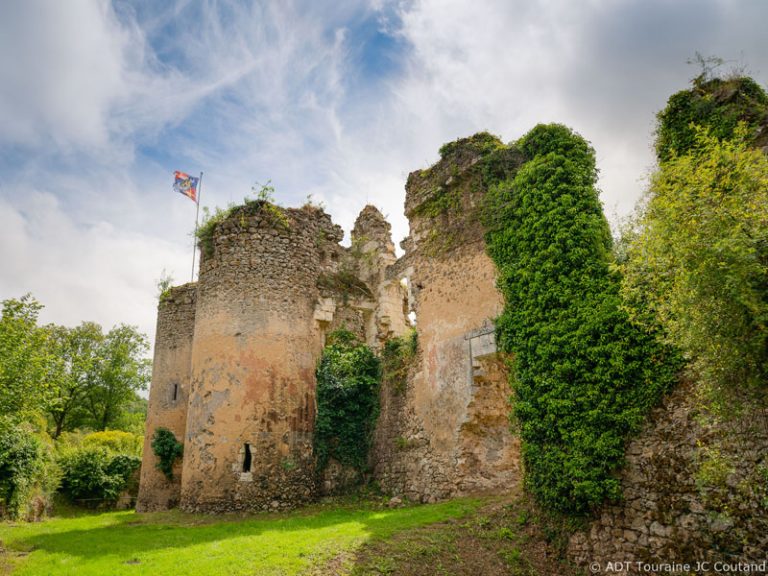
699,259
347,401
116,441
167,449
92,475
22,464
583,375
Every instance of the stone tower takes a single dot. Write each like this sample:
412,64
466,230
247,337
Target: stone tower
251,410
168,394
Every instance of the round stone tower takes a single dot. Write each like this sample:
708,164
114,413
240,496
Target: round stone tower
251,409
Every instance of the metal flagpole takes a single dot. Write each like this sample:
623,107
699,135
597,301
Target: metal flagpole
197,213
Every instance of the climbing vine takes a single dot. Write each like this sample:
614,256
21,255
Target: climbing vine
584,376
347,401
167,449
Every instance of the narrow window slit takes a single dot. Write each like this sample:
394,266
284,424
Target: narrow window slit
247,458
175,392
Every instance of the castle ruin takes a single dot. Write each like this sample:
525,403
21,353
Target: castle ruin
236,352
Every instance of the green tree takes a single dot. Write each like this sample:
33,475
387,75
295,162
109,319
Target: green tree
27,368
584,376
120,370
699,259
77,350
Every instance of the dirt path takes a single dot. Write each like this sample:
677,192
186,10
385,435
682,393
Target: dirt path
506,536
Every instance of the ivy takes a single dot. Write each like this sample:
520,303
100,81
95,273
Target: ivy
347,401
167,449
583,375
397,359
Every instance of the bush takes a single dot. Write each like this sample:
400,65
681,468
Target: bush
116,441
92,475
347,401
583,375
167,449
23,462
699,259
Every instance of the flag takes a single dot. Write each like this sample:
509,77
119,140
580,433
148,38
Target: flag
186,184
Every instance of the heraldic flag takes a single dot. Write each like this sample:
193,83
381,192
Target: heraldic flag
186,184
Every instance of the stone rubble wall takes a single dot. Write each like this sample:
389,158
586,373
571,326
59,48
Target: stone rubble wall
447,433
694,489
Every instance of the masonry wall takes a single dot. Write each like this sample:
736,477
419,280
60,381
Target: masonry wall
168,394
447,432
252,399
694,489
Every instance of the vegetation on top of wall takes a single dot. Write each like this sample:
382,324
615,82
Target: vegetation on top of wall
584,376
263,203
718,104
347,401
482,143
167,449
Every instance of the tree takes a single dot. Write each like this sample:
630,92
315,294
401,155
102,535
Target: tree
27,368
583,375
78,352
120,370
700,257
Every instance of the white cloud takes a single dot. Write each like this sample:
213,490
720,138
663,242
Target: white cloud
100,106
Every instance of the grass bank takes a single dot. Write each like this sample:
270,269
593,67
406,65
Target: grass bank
171,543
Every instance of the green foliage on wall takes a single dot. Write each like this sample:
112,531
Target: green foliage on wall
699,259
584,376
347,401
715,103
397,358
167,449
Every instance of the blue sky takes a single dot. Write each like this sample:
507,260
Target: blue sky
101,101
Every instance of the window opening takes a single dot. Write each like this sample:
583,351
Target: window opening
247,458
175,392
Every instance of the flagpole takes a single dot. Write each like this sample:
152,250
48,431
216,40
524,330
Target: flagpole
197,214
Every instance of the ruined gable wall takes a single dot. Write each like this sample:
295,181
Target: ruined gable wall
254,354
447,433
168,394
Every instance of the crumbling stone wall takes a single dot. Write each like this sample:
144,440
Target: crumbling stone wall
694,489
168,393
252,398
449,432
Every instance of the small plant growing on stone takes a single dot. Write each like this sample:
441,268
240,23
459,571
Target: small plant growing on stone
167,449
164,285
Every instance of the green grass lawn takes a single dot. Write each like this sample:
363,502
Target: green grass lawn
117,543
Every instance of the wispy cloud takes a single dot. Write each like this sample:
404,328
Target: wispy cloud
100,101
